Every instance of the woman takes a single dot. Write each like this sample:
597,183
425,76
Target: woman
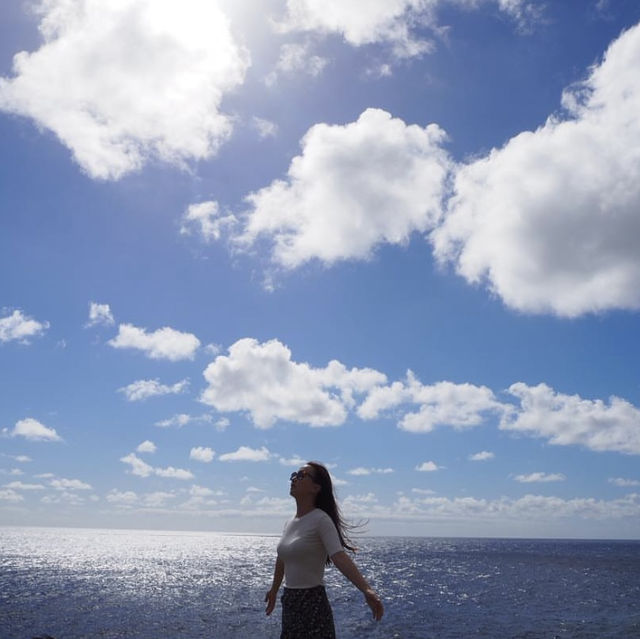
315,537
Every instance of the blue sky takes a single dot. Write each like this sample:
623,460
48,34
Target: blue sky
398,237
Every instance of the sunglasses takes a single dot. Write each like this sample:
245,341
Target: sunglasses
300,474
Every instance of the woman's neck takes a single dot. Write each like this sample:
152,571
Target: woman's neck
304,506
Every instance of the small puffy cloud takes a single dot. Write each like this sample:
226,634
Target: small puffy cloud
566,420
22,458
174,473
18,485
483,455
64,497
265,128
182,419
295,461
244,453
33,430
138,467
221,424
442,404
373,181
179,420
540,477
146,446
423,491
142,469
10,495
360,471
69,484
206,220
157,499
296,57
165,343
202,491
549,221
126,498
427,467
13,472
122,82
262,380
144,388
202,454
624,483
20,327
100,314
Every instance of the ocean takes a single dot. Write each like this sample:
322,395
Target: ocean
112,584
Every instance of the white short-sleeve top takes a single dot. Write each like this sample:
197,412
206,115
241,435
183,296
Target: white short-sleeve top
305,544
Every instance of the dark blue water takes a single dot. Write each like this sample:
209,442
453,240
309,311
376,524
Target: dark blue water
116,584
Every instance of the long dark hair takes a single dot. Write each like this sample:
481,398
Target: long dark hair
325,500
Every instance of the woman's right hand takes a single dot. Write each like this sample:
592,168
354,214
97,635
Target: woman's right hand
270,598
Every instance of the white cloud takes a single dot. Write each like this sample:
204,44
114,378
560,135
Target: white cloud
126,498
623,483
179,420
295,461
120,83
20,327
483,455
570,420
202,491
202,454
263,380
423,491
265,128
354,186
18,485
7,494
361,470
146,446
144,388
206,220
363,22
182,419
69,484
427,467
244,453
297,57
22,458
529,507
165,343
138,467
157,499
540,477
549,221
442,404
222,424
33,430
173,473
100,314
64,497
142,469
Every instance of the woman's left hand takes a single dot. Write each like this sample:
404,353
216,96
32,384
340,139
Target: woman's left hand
374,602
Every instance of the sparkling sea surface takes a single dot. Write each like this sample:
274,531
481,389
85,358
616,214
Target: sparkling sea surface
73,583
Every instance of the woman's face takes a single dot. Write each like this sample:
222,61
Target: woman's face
302,482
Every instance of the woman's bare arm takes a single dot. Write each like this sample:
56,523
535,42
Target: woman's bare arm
278,574
345,565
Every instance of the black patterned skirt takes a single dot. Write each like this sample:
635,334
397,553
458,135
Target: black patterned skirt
306,614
